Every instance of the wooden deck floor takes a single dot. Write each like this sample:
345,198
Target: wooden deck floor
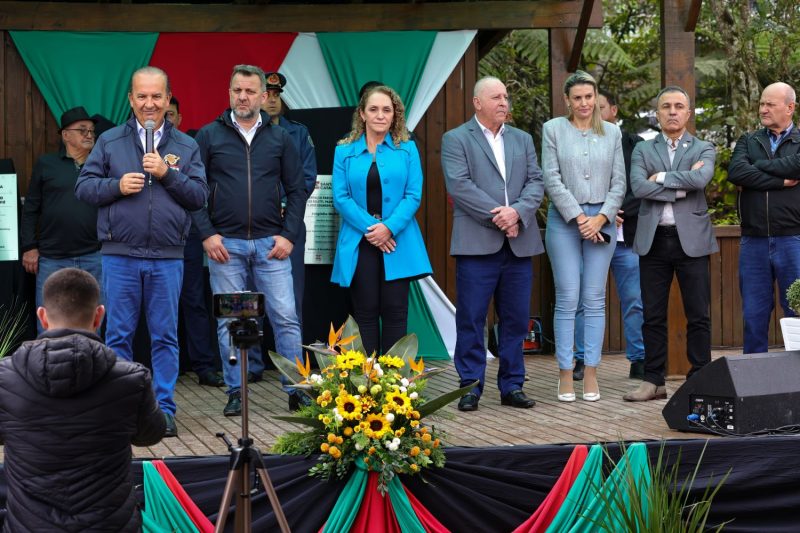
549,422
200,417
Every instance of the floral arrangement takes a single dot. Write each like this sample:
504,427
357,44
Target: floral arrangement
364,408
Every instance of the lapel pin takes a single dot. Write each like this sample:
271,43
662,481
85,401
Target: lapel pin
685,145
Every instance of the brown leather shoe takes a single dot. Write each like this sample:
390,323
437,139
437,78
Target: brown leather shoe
646,392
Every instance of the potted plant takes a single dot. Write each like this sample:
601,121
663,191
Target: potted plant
790,326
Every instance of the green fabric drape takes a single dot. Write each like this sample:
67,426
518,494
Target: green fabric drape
162,513
422,322
89,69
406,517
586,484
347,506
396,58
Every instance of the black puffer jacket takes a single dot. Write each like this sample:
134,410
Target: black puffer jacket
69,412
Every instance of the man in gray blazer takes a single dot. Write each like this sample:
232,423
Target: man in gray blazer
495,182
673,236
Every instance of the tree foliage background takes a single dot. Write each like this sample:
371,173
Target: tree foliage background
741,46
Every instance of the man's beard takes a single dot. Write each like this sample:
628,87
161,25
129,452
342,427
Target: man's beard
246,115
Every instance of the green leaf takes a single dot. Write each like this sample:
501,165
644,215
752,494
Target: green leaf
286,367
312,422
322,354
406,349
351,329
437,403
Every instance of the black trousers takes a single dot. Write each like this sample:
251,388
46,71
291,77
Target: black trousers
377,302
666,257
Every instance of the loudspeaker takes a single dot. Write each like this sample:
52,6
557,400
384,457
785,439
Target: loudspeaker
739,394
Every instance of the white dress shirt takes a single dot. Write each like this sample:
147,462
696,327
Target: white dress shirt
498,149
247,134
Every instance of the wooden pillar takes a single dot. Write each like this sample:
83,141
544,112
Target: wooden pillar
561,41
677,68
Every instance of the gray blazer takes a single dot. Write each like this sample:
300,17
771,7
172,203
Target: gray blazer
691,213
476,187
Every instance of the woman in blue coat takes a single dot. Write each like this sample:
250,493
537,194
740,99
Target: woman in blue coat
377,187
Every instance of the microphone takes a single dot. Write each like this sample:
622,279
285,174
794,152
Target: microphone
149,126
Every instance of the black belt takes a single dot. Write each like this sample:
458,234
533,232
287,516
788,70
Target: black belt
666,231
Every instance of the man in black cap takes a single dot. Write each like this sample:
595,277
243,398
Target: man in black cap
57,229
274,106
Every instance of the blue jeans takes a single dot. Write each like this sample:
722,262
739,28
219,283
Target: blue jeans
91,263
153,285
625,268
580,269
762,262
509,279
273,277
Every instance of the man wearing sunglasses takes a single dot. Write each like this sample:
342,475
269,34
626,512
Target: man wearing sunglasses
58,230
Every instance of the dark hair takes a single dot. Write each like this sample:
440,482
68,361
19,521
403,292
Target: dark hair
367,86
251,70
175,101
71,296
612,100
150,70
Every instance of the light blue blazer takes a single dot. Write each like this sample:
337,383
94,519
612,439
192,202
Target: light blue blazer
401,183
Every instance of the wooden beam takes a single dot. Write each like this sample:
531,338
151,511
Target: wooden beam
693,15
488,39
580,35
677,49
561,41
484,14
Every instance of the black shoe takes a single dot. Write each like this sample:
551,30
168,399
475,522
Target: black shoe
234,405
297,400
637,370
468,402
577,372
172,429
211,379
517,398
254,378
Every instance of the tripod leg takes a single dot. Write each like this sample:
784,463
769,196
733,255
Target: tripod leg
231,483
272,495
243,519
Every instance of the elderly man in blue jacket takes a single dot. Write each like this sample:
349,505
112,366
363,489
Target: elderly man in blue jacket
144,201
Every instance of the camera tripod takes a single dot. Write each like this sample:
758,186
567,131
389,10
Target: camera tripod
244,334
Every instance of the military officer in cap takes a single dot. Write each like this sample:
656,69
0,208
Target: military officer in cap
274,107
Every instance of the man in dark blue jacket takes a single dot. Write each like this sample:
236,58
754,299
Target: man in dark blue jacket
143,219
246,232
274,107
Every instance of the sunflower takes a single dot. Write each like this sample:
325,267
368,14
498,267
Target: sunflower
349,360
398,401
376,426
390,361
349,406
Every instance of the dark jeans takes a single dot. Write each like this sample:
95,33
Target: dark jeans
380,307
666,257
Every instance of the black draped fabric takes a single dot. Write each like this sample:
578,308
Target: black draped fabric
496,489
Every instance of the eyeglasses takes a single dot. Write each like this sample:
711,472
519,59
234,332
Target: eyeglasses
82,131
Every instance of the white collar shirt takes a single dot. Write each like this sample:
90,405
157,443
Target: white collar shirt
247,134
156,135
497,144
667,215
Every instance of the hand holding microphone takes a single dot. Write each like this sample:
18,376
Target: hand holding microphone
152,162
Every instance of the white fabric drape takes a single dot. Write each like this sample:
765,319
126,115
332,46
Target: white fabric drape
309,82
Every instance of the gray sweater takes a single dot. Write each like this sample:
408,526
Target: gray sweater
583,168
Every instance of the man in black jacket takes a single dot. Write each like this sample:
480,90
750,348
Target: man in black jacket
245,231
766,167
69,412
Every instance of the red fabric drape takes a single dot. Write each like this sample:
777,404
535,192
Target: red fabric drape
199,67
376,513
543,516
197,517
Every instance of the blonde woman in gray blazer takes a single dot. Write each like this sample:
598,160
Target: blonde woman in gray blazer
584,176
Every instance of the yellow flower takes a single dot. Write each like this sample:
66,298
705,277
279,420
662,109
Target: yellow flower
349,360
398,401
436,443
304,370
391,361
414,468
331,438
335,452
324,398
417,366
339,440
350,407
426,437
324,447
343,374
348,431
414,423
371,450
427,451
377,426
326,420
414,451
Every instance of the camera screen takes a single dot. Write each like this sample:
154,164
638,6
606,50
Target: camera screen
239,305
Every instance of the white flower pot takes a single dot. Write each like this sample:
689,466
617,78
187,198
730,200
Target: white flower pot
790,327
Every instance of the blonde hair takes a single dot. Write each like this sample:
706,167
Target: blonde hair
397,130
584,78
